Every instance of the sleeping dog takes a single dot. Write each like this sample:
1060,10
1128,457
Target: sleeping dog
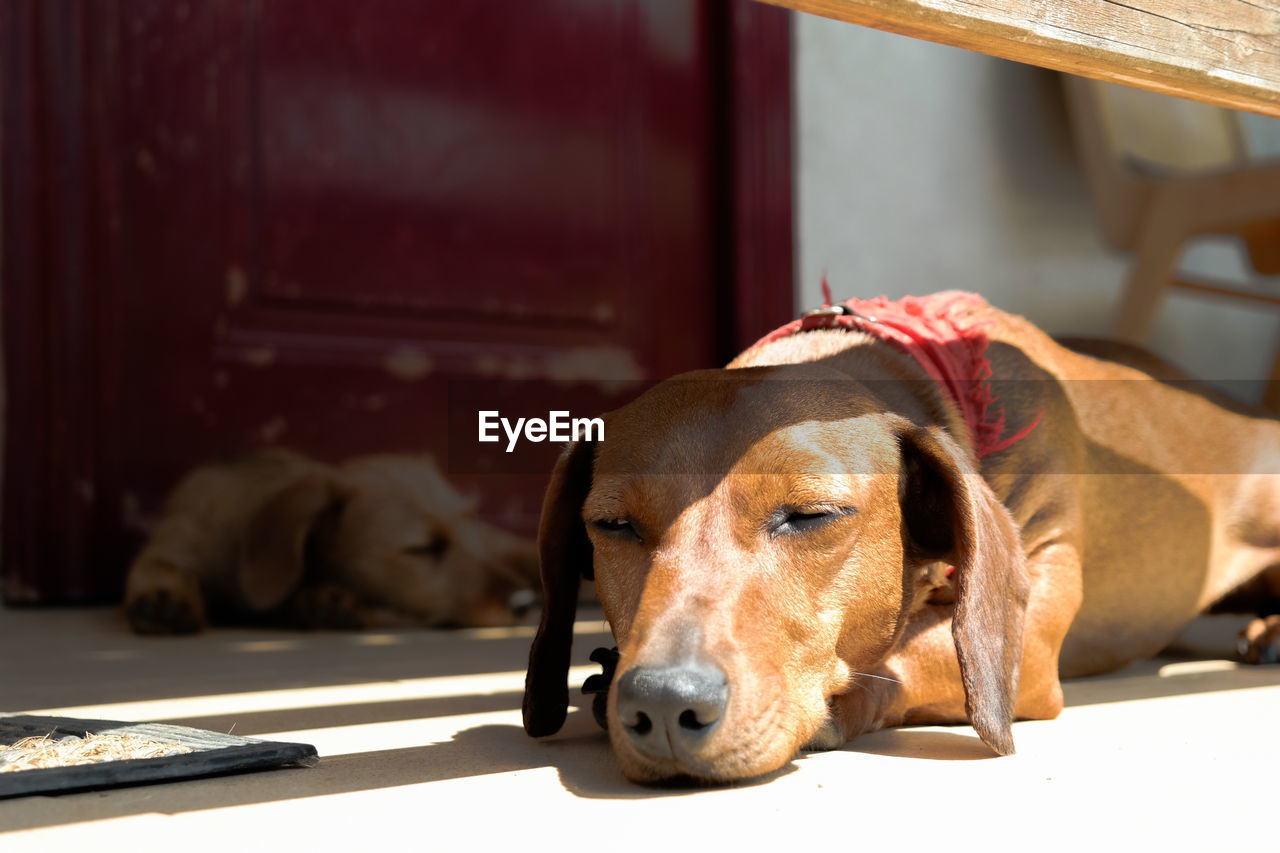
273,536
923,511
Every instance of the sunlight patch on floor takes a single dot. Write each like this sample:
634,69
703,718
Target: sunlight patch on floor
482,684
1196,667
395,734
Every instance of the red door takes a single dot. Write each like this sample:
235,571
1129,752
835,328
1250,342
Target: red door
335,226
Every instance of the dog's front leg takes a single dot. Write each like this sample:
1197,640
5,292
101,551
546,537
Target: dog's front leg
851,714
161,598
917,674
920,682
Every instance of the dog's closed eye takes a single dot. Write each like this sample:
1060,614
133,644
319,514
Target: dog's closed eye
792,521
434,548
620,527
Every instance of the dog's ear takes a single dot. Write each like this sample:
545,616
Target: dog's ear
274,558
951,514
565,555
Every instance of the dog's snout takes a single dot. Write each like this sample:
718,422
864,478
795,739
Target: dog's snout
521,602
667,711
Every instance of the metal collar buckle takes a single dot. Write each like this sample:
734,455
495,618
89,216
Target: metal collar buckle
838,311
828,311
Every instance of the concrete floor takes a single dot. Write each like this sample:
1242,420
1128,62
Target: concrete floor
421,746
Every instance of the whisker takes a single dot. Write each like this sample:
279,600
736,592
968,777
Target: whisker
881,677
859,685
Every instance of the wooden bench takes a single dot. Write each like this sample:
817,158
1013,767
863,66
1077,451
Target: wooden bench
1223,52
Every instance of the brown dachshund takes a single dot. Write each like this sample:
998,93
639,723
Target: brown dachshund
891,513
272,536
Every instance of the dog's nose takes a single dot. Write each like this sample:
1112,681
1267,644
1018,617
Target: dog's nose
521,601
666,709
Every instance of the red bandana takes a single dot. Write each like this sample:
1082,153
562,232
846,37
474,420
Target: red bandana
944,337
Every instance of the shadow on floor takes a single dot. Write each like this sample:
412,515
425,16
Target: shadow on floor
581,754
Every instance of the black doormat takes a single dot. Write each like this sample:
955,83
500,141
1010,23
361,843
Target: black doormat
182,753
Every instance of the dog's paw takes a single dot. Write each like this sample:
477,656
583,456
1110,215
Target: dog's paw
326,606
168,603
1259,642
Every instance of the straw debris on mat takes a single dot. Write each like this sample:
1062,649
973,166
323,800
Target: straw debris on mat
65,754
35,753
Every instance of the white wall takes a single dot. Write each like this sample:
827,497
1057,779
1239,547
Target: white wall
921,167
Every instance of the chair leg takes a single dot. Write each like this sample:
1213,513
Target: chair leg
1156,255
1263,241
1271,396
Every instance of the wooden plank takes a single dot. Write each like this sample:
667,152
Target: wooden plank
1215,289
212,754
1223,52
